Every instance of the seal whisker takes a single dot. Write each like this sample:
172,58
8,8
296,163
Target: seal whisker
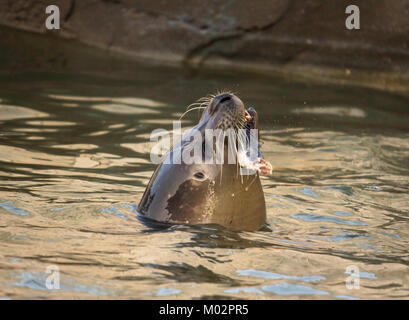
198,103
254,179
194,104
239,144
190,110
235,150
221,173
221,133
243,141
207,98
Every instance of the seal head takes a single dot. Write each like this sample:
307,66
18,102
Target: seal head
208,193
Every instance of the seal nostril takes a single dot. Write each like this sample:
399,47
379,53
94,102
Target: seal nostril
227,98
199,175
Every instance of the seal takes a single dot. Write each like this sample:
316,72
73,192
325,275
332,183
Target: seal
210,193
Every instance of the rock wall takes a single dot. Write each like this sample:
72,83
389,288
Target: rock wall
266,32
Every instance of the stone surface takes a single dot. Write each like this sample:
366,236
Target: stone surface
266,32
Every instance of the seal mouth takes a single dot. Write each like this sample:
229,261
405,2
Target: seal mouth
251,119
225,112
233,115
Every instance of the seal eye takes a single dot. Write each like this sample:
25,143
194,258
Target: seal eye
199,176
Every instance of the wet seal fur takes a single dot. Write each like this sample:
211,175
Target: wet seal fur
209,193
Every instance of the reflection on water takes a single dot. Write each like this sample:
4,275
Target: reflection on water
74,162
